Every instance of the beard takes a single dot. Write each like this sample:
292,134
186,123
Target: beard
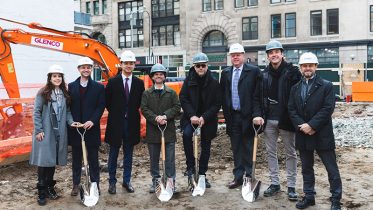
308,75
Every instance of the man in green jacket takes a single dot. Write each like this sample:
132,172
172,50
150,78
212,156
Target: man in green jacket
160,105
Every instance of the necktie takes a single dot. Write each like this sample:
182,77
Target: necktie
126,89
235,97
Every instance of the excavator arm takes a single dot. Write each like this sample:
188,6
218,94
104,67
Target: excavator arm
65,42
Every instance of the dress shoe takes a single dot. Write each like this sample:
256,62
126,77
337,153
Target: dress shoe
208,185
128,187
292,195
336,205
304,203
235,183
75,190
272,190
112,189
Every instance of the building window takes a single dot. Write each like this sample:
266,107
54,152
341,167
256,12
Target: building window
166,35
275,1
219,5
206,5
276,26
88,7
129,15
125,38
165,8
238,3
332,21
316,24
371,18
370,54
96,8
126,8
250,28
290,0
104,6
252,3
290,25
214,39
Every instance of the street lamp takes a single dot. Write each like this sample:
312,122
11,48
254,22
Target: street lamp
150,29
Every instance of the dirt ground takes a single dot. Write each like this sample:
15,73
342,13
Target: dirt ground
18,181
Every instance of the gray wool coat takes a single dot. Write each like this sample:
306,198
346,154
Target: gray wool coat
44,153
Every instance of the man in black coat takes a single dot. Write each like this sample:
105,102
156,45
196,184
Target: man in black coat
87,106
311,105
123,100
238,83
200,99
271,111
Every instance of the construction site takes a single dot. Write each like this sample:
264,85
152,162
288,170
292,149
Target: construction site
29,44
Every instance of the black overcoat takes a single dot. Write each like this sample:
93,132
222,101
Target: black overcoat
189,99
246,88
116,105
316,110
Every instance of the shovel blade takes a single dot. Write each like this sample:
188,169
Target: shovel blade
89,198
250,189
164,194
200,188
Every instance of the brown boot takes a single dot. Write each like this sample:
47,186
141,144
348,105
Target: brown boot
75,190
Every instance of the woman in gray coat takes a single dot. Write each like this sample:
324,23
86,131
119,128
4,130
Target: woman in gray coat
49,140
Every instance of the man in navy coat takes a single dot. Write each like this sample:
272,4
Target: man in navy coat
87,106
311,105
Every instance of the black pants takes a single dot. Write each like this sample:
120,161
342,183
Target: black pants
328,158
45,175
188,149
242,148
94,168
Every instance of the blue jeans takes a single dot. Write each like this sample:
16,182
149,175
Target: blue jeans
127,159
188,149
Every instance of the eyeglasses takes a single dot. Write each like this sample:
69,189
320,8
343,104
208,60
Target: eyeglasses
200,65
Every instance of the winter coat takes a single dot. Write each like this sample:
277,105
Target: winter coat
246,88
152,105
44,153
117,105
316,110
289,77
91,110
189,99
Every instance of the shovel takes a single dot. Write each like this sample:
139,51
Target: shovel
164,193
251,186
88,198
200,186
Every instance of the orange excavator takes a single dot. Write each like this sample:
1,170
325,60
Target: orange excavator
15,148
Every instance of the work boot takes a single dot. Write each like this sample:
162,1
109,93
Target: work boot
51,192
305,202
336,205
153,186
75,190
41,194
272,190
292,195
189,172
112,189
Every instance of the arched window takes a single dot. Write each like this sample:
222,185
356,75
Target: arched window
214,39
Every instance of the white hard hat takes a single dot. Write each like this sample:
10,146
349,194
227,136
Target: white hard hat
55,69
85,61
308,57
127,56
236,48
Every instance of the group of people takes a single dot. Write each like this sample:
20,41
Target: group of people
283,100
